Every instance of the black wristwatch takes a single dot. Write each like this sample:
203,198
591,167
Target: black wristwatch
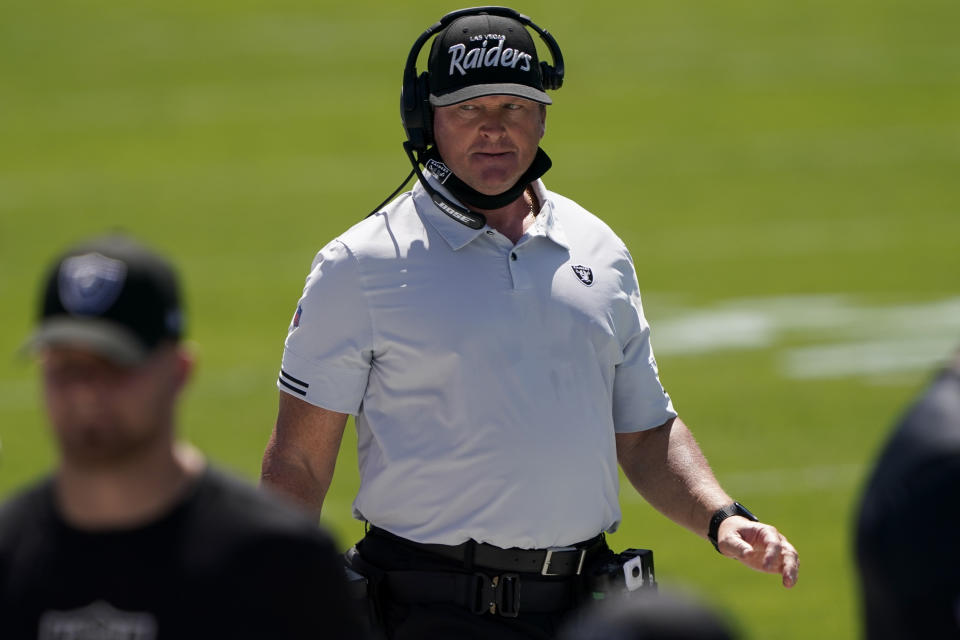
735,509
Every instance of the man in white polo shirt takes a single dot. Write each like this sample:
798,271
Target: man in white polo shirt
488,335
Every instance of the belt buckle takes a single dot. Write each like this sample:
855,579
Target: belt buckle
508,595
482,594
545,570
496,595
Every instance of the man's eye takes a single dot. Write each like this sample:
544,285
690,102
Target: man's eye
512,106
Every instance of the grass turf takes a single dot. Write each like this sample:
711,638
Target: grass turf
742,149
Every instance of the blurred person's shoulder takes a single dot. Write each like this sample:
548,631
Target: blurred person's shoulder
928,433
266,557
31,504
233,506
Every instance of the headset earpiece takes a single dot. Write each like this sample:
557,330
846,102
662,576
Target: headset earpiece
415,111
552,75
551,80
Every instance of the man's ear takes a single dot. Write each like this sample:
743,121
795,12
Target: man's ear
186,362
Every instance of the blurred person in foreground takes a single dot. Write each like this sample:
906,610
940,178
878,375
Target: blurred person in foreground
908,525
134,535
649,615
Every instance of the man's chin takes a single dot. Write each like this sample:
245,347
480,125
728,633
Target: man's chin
493,187
98,448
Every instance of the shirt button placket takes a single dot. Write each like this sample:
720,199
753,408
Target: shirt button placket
518,270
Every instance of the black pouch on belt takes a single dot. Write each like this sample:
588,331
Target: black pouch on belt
621,573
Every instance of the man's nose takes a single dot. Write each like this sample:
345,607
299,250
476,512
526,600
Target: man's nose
493,123
82,400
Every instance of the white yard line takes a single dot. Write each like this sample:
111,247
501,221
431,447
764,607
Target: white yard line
837,336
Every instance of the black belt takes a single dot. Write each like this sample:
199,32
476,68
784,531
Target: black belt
505,594
556,561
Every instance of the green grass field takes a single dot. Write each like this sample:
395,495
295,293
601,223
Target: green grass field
780,172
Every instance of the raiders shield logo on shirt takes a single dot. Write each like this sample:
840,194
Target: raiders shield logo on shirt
585,274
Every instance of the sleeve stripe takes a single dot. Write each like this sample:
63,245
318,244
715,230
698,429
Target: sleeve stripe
291,387
284,374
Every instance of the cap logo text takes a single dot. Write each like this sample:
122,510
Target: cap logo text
479,57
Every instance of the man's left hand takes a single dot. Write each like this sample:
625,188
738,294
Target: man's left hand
759,546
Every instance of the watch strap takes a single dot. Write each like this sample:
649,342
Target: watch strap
735,509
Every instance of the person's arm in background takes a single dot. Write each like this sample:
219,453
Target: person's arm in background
666,466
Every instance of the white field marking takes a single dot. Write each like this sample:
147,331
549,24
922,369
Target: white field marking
796,480
869,358
843,338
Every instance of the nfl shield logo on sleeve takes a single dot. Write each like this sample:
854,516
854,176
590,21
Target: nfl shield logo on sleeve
585,274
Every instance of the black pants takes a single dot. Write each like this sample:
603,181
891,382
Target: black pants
449,621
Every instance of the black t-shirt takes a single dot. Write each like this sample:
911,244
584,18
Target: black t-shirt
909,522
228,561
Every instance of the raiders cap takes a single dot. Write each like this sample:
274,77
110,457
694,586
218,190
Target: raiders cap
112,296
482,55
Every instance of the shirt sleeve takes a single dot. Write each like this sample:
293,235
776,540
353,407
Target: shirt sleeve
329,345
639,399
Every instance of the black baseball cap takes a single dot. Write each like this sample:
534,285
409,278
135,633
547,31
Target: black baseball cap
483,55
112,296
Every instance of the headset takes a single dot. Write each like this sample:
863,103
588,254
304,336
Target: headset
416,113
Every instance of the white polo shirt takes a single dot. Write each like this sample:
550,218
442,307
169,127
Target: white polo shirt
487,379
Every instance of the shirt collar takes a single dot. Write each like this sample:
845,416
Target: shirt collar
459,235
456,234
546,223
